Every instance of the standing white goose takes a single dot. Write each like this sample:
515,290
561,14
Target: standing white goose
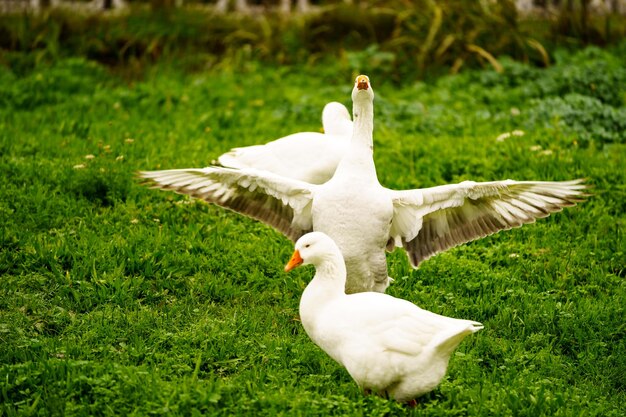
362,216
306,156
388,345
352,207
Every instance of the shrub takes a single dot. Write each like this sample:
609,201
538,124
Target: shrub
591,120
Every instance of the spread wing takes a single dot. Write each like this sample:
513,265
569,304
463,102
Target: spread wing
282,203
431,220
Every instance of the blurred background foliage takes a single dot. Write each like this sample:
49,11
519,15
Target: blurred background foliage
397,39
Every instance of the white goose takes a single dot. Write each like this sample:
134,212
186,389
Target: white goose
388,345
362,216
306,156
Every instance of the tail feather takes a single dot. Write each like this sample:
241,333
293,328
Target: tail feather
450,339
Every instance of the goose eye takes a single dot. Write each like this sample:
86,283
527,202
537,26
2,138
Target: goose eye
307,245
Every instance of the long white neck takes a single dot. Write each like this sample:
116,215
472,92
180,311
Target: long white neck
359,159
328,283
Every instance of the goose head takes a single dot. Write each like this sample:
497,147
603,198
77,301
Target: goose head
362,89
315,249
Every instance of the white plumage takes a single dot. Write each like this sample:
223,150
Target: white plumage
388,345
363,217
306,156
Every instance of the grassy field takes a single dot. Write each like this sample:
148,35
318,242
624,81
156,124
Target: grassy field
120,300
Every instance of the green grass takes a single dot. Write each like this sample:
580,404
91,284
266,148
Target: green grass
120,300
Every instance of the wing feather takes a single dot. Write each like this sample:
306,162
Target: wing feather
431,220
282,203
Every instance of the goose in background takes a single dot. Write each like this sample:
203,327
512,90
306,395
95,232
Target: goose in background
306,156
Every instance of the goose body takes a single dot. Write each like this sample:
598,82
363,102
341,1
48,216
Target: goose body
388,345
363,217
306,156
352,207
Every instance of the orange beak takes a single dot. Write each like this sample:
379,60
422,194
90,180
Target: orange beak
362,82
294,262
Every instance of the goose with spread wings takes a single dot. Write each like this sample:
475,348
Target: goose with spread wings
363,217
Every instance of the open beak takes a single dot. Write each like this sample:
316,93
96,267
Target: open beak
362,82
295,261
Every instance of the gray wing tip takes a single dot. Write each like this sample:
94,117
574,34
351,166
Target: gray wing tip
146,178
476,326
